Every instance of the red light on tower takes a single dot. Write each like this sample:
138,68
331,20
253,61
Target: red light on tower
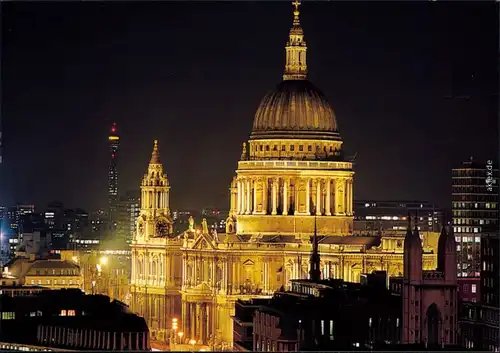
113,128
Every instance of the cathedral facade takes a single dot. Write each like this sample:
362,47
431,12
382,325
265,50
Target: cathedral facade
292,181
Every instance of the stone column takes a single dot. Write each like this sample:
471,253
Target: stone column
308,196
264,195
339,197
238,197
266,277
346,195
286,182
351,196
296,196
192,319
183,316
275,196
233,194
318,197
255,195
248,197
328,208
201,325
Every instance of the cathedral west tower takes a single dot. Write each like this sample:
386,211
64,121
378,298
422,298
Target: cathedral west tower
292,169
156,259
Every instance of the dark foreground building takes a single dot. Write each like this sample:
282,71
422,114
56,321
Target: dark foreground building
69,319
319,315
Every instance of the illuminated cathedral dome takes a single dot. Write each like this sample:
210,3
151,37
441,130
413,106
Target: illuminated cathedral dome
296,109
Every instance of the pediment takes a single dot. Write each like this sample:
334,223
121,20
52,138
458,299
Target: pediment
248,263
202,287
203,242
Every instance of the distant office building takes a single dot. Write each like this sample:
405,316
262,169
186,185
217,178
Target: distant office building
127,213
375,216
181,219
14,215
480,321
474,218
216,218
70,320
114,144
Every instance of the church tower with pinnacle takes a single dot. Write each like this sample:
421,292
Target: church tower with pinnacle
430,305
155,219
156,257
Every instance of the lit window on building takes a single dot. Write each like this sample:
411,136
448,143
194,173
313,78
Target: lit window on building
478,240
8,315
71,313
63,313
473,288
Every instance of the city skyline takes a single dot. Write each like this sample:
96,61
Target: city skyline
144,80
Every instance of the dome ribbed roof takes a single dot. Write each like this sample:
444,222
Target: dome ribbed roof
296,109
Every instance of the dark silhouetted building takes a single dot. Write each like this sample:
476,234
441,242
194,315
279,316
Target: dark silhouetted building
69,319
319,315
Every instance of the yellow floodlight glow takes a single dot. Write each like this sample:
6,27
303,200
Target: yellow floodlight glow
113,138
103,260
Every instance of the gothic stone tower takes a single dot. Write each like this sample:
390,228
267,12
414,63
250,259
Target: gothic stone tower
429,297
156,257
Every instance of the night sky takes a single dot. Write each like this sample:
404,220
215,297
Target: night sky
414,87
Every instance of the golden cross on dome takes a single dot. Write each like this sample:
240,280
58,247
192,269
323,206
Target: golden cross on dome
296,4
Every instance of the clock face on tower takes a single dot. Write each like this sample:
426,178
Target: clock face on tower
162,227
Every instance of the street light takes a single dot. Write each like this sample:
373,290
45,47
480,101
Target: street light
192,342
180,334
103,260
174,328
